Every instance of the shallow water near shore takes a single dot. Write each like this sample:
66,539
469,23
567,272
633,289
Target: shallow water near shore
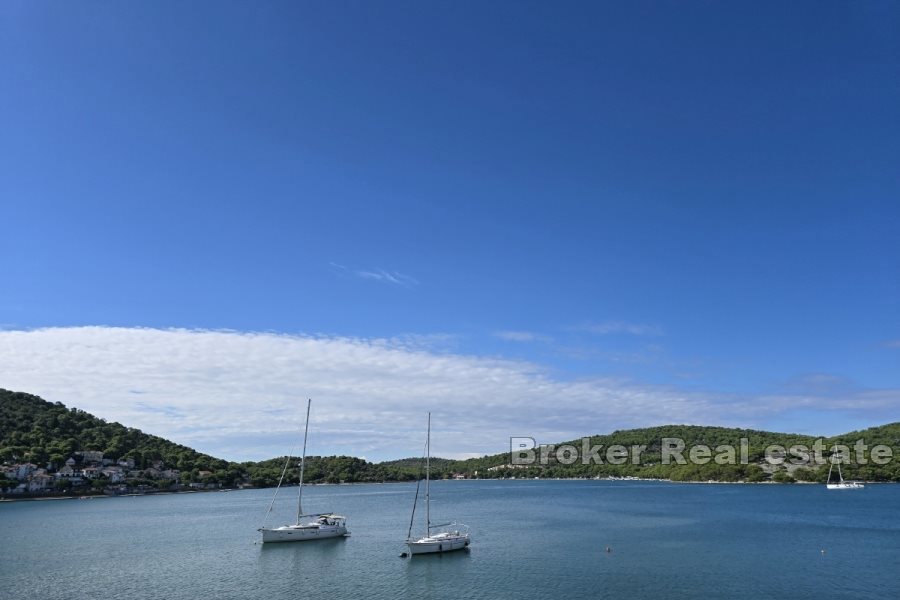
530,539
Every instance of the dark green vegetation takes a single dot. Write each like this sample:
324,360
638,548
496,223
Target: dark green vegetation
346,469
40,432
47,434
756,469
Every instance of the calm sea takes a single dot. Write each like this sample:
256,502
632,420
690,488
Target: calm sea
531,539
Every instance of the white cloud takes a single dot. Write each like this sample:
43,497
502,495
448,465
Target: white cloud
241,396
614,327
394,277
382,275
521,336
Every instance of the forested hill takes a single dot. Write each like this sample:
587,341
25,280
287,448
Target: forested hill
44,432
38,438
45,435
755,469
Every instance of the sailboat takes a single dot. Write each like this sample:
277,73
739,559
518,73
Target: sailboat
308,527
438,538
841,484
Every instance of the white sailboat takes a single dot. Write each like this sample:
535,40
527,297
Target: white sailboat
438,538
308,527
841,484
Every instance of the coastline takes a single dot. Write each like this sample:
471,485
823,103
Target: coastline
170,492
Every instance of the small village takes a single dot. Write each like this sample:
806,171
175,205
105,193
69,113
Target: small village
88,472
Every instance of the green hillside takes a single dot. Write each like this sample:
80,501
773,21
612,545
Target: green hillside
44,435
41,432
754,469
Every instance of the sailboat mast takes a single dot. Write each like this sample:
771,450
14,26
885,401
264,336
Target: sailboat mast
303,464
427,480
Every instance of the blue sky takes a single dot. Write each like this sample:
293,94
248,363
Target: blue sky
691,201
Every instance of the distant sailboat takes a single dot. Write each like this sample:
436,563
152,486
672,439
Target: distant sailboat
308,527
841,484
449,537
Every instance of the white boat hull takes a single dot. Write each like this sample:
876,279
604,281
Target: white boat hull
845,485
438,543
841,484
302,533
309,527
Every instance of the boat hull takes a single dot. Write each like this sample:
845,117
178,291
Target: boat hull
436,545
845,486
303,533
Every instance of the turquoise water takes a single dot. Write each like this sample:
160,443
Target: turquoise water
531,539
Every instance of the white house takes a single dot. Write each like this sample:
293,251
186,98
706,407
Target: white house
114,474
40,481
70,474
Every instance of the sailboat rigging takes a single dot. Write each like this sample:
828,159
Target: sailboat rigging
308,527
451,537
841,484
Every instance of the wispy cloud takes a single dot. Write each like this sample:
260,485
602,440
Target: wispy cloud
892,344
241,395
382,275
433,342
522,336
620,327
394,277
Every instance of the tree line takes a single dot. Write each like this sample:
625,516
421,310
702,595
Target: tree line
40,432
